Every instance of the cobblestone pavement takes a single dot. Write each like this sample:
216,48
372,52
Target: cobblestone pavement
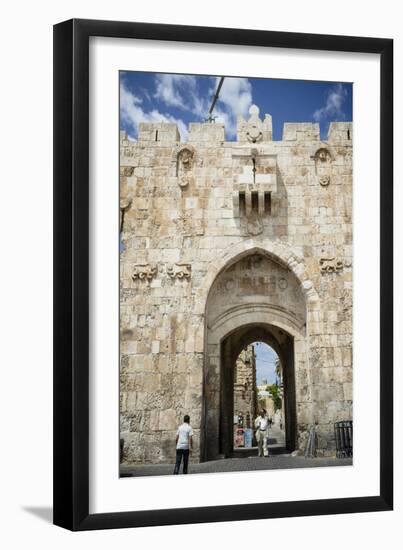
245,460
276,462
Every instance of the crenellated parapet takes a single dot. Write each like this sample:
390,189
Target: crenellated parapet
340,132
162,133
206,133
301,131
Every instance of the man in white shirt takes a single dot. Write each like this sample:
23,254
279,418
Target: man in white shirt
262,432
184,442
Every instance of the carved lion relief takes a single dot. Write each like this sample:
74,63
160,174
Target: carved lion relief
144,272
179,271
333,265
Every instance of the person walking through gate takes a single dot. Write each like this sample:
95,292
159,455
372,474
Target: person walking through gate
184,442
262,433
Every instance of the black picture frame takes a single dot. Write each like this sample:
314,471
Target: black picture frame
72,285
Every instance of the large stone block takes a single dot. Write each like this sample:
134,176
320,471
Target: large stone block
168,420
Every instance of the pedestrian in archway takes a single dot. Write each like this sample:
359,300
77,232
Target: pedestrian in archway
262,433
184,442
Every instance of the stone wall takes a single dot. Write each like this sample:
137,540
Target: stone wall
245,386
191,210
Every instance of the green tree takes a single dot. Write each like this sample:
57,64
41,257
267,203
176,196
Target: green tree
274,391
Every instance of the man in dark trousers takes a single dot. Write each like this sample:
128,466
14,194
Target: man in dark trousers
184,443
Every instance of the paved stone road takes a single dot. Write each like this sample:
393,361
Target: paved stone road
277,462
245,460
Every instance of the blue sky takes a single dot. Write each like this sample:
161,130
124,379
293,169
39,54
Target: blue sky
155,97
265,363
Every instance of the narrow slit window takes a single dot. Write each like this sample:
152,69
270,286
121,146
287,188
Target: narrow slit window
242,203
267,202
156,135
255,201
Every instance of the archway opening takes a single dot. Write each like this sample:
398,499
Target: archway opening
238,371
258,386
255,299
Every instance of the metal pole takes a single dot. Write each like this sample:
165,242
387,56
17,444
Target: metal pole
215,98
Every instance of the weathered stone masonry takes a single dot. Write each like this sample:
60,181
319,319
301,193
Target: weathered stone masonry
222,241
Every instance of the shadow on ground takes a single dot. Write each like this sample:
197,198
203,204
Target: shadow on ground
44,513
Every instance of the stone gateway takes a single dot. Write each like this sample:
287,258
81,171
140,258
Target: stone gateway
225,243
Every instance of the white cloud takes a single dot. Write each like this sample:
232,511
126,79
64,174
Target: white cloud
235,99
184,92
180,91
333,108
265,363
236,96
132,113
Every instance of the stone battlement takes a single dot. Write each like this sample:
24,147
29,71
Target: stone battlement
253,130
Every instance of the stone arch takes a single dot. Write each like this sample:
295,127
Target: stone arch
280,252
255,312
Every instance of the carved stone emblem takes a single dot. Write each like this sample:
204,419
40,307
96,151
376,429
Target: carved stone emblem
184,164
144,272
324,181
254,133
323,161
179,271
186,157
323,155
254,226
184,180
282,283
